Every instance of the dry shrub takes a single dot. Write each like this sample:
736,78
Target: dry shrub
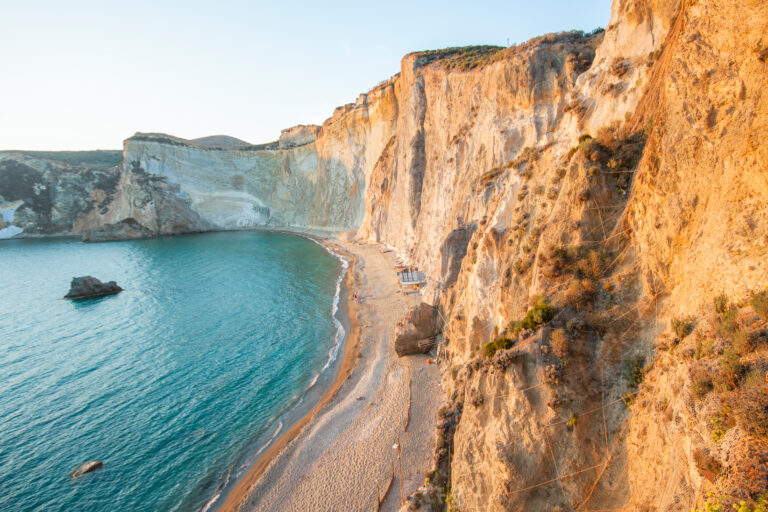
706,462
750,409
701,381
730,371
577,296
759,303
559,344
594,265
682,326
600,322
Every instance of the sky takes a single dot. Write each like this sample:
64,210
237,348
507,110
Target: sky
78,75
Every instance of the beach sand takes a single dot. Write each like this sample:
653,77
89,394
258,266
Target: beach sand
340,456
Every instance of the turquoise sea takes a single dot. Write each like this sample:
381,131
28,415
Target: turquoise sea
176,383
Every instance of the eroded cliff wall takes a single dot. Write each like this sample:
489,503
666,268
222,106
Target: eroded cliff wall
590,218
312,178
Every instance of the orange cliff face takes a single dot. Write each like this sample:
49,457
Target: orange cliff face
621,176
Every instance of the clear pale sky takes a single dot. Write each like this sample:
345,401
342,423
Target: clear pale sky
87,74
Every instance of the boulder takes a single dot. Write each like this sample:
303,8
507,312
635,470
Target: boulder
86,467
88,286
415,333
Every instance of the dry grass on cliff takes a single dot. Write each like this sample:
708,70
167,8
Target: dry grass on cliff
727,360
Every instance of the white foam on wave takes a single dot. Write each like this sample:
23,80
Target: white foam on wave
332,355
218,493
274,436
340,331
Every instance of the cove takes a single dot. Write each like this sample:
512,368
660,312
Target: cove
175,383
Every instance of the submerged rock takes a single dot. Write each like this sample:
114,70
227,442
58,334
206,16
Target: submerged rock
416,331
88,286
86,467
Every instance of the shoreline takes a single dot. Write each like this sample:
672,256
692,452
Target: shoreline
337,454
234,499
341,457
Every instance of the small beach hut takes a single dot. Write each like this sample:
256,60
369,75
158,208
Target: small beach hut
411,279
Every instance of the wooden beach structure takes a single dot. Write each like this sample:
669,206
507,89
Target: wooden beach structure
411,278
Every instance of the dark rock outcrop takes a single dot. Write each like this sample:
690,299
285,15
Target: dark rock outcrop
59,197
87,287
86,467
416,332
126,229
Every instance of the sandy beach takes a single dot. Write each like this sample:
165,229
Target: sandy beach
340,456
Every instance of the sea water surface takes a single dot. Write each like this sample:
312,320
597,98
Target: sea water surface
173,382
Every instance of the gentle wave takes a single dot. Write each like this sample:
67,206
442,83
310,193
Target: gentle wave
332,356
216,496
175,382
340,332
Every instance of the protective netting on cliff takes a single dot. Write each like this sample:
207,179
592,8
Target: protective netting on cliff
600,481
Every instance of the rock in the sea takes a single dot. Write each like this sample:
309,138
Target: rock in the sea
88,286
86,467
416,331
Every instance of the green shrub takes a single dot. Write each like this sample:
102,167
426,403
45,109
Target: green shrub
729,329
539,314
759,303
721,423
682,326
714,504
462,58
520,266
703,345
635,371
726,323
502,343
731,370
721,303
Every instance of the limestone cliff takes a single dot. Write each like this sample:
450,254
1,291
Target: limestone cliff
311,178
42,195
